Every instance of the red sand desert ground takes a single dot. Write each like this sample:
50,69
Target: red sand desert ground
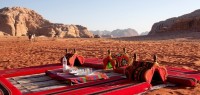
18,52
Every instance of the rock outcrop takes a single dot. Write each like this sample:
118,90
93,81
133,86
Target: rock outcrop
185,23
1,33
61,30
17,21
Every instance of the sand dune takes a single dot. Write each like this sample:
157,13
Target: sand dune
18,52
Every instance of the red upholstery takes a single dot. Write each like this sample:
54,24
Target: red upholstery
6,88
97,88
184,81
28,70
123,87
130,90
171,71
70,88
94,63
120,70
183,76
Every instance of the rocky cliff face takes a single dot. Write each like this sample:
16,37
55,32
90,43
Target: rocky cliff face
61,30
17,21
185,23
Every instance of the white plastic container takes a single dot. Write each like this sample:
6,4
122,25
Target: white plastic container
65,66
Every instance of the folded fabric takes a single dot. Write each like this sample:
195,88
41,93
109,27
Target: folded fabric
58,74
71,79
87,78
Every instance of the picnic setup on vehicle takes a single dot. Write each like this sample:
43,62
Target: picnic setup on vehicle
118,73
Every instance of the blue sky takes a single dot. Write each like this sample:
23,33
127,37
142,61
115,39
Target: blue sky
107,14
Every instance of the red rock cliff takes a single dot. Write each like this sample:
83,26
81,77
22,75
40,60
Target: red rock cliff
185,23
18,21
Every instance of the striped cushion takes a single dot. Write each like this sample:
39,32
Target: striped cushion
183,76
185,81
183,72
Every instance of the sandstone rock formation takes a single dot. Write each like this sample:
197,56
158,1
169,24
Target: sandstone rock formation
1,33
61,30
17,21
185,23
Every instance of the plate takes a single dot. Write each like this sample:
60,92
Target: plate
73,72
77,74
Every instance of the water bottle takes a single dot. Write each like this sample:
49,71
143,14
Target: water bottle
64,62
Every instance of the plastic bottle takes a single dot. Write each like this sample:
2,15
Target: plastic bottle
65,67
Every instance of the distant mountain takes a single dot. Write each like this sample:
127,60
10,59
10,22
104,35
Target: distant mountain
124,32
144,33
117,33
98,32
